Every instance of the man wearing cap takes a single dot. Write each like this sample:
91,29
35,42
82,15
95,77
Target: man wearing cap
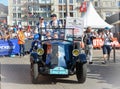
41,25
107,37
55,23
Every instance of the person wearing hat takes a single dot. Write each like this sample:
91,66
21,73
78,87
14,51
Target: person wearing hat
107,38
41,25
55,23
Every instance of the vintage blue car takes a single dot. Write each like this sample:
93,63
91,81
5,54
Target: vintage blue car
58,56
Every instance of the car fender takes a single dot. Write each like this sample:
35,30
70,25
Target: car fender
34,57
82,58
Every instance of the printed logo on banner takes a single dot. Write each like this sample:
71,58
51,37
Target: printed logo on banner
76,24
9,47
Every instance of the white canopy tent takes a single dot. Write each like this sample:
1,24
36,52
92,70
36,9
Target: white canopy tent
91,18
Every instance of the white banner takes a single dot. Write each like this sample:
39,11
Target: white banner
75,23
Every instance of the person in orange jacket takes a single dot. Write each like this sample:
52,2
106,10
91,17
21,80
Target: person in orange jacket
21,41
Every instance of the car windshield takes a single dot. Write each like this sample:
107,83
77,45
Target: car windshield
59,34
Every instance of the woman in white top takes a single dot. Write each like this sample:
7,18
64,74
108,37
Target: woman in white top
107,38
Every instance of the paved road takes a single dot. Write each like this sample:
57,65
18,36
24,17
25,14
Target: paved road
15,74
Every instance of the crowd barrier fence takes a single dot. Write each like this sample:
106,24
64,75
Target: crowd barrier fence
11,47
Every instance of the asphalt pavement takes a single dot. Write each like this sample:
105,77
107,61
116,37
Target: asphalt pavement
15,74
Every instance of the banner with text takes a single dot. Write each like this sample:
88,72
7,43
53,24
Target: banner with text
9,47
76,24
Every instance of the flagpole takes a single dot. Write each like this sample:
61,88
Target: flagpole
67,8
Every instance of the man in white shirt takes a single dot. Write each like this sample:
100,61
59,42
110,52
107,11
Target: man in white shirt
41,25
55,23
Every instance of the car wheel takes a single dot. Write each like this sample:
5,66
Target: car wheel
81,71
34,73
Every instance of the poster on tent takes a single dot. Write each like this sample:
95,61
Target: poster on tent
74,23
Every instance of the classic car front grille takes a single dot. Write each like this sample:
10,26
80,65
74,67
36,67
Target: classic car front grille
54,55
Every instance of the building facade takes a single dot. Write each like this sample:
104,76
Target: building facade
26,12
106,8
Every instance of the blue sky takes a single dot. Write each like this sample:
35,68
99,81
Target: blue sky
5,2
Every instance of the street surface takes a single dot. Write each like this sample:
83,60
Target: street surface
15,74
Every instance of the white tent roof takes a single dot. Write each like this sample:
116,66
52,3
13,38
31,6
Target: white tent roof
91,18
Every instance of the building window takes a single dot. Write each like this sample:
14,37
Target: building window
65,7
30,22
64,15
42,8
108,14
14,8
60,7
71,14
14,1
36,1
14,15
71,7
19,8
107,4
77,0
42,1
29,0
64,1
19,15
36,8
60,15
96,4
118,3
48,1
60,1
71,1
18,1
29,8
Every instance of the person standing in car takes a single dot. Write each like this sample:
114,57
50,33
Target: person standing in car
41,26
55,24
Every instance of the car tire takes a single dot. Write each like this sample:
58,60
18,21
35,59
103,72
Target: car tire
34,73
81,72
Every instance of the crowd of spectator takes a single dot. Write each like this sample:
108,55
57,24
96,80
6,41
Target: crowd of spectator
11,33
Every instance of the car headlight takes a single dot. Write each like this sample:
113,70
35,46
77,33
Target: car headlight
75,52
40,51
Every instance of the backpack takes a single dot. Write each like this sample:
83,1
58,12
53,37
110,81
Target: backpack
87,39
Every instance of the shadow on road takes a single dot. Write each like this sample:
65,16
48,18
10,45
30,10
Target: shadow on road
109,73
20,74
15,73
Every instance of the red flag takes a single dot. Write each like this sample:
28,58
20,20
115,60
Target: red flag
83,7
29,27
